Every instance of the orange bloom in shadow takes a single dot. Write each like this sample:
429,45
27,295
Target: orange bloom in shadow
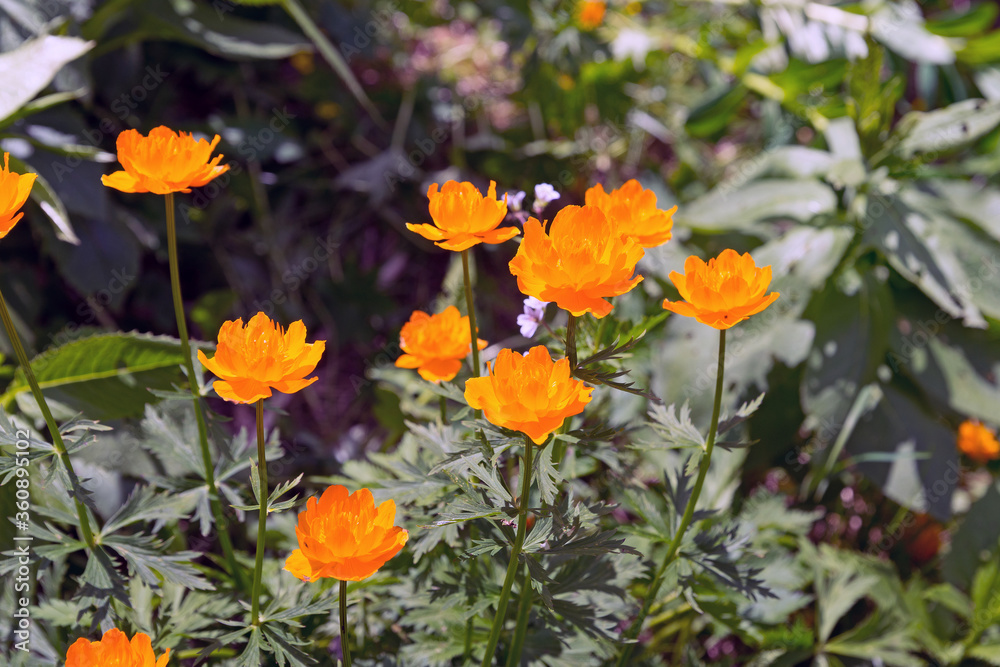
978,442
581,261
436,344
592,14
634,210
530,393
724,292
164,162
14,191
345,536
463,217
115,650
252,361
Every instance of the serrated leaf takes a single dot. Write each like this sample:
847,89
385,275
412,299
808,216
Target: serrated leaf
106,376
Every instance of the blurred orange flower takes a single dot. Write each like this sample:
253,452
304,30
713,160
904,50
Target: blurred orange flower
115,650
592,14
254,360
724,292
634,210
14,191
978,442
464,218
530,393
164,162
436,344
582,260
345,536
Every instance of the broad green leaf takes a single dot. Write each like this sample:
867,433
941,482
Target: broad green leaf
29,68
220,33
975,537
986,652
923,473
107,376
900,233
978,18
852,335
46,197
981,50
900,26
731,209
944,129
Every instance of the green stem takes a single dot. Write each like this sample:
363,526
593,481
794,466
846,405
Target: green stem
333,57
345,645
675,543
57,441
571,342
258,566
444,410
470,306
600,333
221,525
523,613
515,553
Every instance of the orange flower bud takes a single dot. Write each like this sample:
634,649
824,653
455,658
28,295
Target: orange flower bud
345,536
254,360
592,15
164,162
581,261
14,191
724,292
634,210
464,218
115,650
436,344
978,442
531,393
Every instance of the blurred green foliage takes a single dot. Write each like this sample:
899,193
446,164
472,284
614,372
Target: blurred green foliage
854,147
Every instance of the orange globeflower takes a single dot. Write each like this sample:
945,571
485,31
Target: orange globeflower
164,162
115,650
634,211
530,393
345,536
582,260
978,442
464,218
592,14
254,360
436,344
14,191
724,292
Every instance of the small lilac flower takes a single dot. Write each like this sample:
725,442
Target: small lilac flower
544,193
534,313
515,200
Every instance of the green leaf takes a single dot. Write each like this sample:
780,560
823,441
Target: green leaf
716,111
945,129
900,26
975,537
145,504
727,209
224,35
987,652
981,50
979,18
107,376
852,335
29,68
899,232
